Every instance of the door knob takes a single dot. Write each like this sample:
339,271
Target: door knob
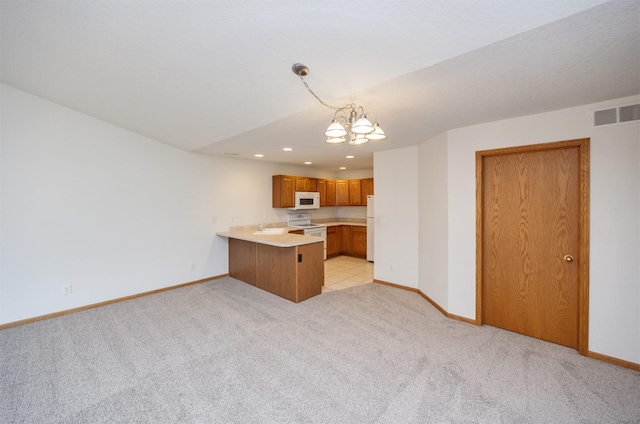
568,258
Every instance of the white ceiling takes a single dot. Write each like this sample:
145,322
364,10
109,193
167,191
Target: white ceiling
215,76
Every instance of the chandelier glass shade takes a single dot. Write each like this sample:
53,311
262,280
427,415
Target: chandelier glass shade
350,123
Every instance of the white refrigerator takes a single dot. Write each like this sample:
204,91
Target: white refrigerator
370,225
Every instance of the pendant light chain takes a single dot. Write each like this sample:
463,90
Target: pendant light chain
322,102
359,129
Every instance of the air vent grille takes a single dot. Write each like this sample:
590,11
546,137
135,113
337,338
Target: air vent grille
616,115
629,113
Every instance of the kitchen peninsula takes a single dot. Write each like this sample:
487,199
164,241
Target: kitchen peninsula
288,265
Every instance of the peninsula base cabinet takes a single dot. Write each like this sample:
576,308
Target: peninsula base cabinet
295,273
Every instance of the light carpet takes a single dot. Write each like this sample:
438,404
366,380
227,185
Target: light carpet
225,352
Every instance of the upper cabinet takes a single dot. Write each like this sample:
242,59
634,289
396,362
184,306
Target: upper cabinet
367,189
306,184
322,189
355,192
332,192
283,191
327,190
342,192
302,184
312,184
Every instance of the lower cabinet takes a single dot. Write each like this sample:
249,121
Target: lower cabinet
243,263
348,240
295,273
339,239
331,242
359,241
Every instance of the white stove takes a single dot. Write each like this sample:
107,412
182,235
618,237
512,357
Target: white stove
304,225
303,220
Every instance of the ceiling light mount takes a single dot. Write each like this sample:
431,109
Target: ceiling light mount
347,123
300,70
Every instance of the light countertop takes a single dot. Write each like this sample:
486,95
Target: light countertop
335,223
280,240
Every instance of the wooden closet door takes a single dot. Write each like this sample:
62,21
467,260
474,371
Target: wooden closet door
530,243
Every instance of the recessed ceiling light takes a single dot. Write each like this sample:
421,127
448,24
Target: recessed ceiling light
307,163
343,167
259,155
350,157
287,149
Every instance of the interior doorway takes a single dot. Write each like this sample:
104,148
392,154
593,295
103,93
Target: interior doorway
533,241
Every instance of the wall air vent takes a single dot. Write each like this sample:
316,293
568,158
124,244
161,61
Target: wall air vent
616,115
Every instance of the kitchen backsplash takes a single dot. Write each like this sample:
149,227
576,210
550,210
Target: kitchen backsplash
284,224
348,214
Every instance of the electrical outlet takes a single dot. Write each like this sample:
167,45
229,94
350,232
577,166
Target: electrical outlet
392,267
66,289
193,267
214,219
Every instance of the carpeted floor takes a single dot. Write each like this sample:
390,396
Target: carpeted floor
225,352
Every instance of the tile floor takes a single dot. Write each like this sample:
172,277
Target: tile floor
342,272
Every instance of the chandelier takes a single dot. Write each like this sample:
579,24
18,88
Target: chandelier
350,123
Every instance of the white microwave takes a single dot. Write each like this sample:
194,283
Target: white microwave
307,200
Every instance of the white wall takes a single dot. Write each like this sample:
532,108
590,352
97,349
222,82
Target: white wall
614,320
615,242
355,174
86,203
396,216
111,212
433,220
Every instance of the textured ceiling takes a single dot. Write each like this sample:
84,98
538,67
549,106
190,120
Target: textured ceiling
215,76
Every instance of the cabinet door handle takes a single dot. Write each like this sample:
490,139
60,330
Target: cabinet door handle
568,258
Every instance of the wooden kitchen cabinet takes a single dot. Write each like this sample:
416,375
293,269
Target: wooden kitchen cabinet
339,241
295,273
335,242
331,193
359,241
332,249
302,184
321,185
301,232
355,192
310,270
283,191
367,189
352,241
243,264
346,238
342,193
